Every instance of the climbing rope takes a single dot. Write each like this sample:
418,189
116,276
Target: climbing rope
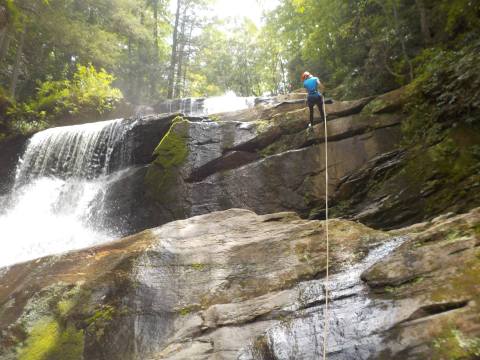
325,325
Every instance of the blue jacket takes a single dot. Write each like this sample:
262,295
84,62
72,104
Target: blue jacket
311,85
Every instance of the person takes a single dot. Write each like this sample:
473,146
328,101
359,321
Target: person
312,83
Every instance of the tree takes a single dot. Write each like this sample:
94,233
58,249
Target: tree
173,58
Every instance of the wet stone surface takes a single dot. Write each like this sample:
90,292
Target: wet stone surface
356,321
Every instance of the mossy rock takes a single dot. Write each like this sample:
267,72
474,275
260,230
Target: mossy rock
170,154
387,103
49,340
453,344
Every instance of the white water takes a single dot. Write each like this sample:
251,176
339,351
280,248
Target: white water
208,106
61,181
227,102
56,205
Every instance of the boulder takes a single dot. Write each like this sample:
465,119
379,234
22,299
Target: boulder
236,285
434,278
169,288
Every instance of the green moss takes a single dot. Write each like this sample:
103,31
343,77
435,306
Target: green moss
172,149
454,235
261,348
103,314
340,209
199,267
452,344
443,173
99,320
65,306
171,153
302,251
374,106
476,230
186,310
262,126
464,283
396,289
47,340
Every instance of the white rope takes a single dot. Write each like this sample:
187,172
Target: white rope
325,325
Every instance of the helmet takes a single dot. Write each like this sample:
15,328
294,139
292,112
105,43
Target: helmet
305,75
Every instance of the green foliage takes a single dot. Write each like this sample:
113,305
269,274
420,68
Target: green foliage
445,93
237,57
89,92
366,47
116,35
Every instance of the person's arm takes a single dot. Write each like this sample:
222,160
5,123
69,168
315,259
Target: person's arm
320,86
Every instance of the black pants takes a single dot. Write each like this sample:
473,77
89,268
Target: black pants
313,100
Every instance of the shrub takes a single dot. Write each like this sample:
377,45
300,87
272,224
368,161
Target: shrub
89,92
445,92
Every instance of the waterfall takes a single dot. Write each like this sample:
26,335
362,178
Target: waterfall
206,106
57,201
226,103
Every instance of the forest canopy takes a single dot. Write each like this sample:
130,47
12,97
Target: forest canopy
143,51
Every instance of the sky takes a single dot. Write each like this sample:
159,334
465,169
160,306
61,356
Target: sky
252,9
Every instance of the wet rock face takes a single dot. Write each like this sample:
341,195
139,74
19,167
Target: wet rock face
263,165
264,159
434,280
235,285
11,150
147,295
415,183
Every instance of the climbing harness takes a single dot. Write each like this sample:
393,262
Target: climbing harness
325,325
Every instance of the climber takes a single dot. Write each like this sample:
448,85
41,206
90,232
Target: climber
311,83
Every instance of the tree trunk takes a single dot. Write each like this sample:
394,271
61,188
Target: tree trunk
4,32
424,23
5,42
18,60
401,38
155,25
187,57
173,59
181,53
284,76
154,76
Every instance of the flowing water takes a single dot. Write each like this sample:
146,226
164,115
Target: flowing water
62,179
207,106
356,320
56,203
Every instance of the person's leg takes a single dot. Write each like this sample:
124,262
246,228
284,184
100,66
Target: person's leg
321,107
311,106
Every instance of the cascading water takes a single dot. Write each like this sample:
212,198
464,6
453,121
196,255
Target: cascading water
227,102
62,180
56,203
356,321
207,106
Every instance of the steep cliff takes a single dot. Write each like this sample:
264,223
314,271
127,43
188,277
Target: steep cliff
265,160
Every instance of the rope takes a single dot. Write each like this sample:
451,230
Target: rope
325,325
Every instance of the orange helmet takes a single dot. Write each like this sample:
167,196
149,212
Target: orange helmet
305,75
